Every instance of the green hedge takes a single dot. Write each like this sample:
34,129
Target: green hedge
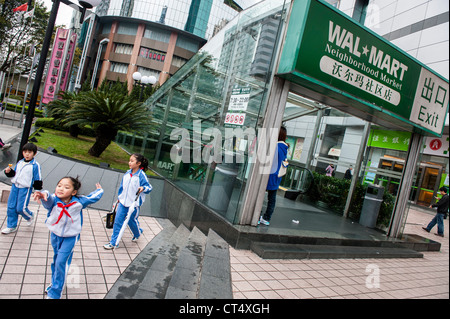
50,122
333,192
18,109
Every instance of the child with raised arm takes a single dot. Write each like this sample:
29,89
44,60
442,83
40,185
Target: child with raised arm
133,182
65,221
25,176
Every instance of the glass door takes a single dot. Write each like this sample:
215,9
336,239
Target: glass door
428,182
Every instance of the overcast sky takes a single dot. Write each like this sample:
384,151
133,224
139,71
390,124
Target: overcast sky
64,12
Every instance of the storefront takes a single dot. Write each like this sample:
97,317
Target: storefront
217,118
387,155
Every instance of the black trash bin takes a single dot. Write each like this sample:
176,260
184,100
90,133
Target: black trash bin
221,188
371,205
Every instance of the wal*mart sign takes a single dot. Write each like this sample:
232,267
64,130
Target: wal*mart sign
330,53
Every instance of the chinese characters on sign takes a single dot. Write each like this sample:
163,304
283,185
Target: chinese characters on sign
360,71
430,103
60,63
394,140
238,103
239,99
359,80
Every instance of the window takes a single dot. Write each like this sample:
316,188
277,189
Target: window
178,62
123,48
187,44
127,28
158,35
119,67
152,54
149,72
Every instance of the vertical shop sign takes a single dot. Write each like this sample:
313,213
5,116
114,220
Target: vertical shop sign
65,74
58,69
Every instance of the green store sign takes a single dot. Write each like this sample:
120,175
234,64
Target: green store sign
331,54
394,140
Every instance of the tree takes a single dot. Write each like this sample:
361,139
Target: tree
18,34
108,112
59,107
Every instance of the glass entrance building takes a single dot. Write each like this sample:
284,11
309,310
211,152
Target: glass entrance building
347,97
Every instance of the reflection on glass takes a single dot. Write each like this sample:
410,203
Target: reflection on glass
190,110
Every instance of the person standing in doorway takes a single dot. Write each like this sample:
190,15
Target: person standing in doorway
274,179
348,173
329,170
442,211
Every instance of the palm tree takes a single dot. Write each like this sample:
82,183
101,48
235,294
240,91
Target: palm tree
58,109
107,113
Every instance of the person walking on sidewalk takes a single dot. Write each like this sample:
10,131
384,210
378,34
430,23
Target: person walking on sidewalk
26,175
133,181
65,221
442,211
3,145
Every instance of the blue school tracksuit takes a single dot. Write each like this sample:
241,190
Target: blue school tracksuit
65,222
127,193
25,177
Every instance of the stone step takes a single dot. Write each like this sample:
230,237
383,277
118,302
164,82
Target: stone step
155,283
303,251
178,264
128,283
185,279
215,281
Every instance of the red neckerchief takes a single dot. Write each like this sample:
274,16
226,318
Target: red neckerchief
131,173
64,211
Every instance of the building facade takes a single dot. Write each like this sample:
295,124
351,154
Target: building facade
238,83
149,36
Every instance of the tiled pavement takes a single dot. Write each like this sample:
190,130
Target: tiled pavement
426,277
25,258
26,255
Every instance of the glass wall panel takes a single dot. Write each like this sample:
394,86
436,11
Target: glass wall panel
193,144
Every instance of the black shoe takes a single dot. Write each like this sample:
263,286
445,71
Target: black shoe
425,229
440,235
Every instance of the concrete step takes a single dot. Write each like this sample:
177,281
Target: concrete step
215,282
155,283
128,283
303,251
178,264
184,283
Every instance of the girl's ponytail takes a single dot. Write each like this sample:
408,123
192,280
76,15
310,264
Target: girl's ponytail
144,162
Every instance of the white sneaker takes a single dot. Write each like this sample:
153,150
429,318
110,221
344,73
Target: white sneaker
108,246
6,146
30,221
48,288
9,230
263,221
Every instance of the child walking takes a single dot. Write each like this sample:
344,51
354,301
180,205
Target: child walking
64,220
26,175
133,182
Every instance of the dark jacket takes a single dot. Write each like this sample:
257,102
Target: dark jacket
442,205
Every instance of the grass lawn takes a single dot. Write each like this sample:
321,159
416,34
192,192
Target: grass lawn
78,148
